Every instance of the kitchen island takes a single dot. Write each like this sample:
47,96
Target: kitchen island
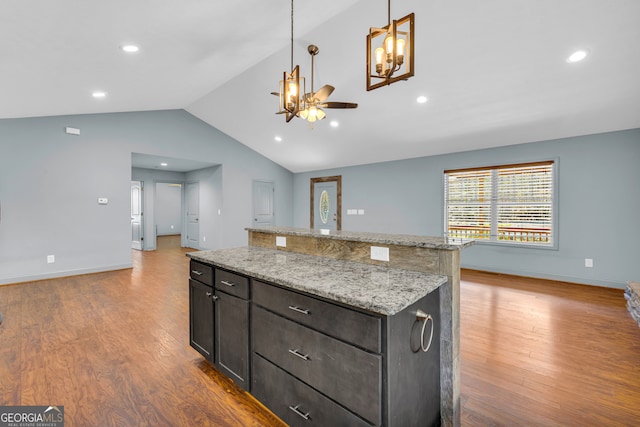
352,340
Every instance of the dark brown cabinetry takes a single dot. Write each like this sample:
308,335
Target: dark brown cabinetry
201,309
232,326
316,362
319,363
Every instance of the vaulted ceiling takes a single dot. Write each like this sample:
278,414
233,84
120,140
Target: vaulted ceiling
494,73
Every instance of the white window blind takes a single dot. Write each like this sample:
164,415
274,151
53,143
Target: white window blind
507,204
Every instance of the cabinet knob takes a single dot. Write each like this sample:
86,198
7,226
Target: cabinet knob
209,294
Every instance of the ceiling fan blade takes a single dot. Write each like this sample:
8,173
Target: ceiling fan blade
339,105
324,92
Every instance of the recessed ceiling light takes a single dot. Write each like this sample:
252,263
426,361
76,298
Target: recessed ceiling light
130,48
278,139
578,56
99,94
164,164
421,99
334,124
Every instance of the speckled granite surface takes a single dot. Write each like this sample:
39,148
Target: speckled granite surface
378,289
378,238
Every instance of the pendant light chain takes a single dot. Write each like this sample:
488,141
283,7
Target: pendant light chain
291,35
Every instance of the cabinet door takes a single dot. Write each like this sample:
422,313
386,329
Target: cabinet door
201,309
232,338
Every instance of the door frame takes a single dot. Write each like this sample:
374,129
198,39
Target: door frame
312,203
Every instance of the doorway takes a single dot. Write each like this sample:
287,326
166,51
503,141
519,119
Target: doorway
325,203
137,226
168,216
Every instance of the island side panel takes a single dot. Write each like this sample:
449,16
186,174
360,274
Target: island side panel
450,338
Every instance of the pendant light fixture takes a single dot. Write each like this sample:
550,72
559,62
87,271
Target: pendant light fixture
291,90
391,48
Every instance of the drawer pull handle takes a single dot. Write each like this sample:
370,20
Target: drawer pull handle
230,284
197,273
421,315
300,355
209,294
298,412
299,310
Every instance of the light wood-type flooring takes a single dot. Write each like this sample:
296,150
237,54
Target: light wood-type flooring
113,349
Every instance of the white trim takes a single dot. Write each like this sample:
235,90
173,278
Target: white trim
577,280
58,274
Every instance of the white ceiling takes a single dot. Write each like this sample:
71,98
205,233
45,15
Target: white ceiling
494,71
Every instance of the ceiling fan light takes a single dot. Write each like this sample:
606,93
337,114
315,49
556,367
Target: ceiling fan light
320,113
304,114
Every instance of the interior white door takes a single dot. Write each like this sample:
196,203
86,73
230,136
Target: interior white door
326,202
193,215
137,237
263,211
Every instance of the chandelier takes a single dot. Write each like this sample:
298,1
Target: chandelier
290,92
392,48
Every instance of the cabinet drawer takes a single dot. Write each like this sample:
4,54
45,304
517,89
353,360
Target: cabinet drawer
294,402
341,371
349,325
201,272
232,283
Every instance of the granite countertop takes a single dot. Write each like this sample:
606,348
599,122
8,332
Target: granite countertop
381,290
445,243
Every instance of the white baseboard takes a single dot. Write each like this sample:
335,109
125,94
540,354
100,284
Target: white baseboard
33,278
561,278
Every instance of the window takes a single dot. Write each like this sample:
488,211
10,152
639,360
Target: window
511,204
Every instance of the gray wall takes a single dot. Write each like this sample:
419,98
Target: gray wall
599,202
50,182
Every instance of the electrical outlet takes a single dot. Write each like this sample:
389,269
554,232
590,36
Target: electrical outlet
204,238
281,241
588,262
379,253
51,259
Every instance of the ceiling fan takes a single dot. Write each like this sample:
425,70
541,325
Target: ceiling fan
314,102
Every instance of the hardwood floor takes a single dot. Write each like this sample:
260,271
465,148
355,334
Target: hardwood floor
113,349
543,353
